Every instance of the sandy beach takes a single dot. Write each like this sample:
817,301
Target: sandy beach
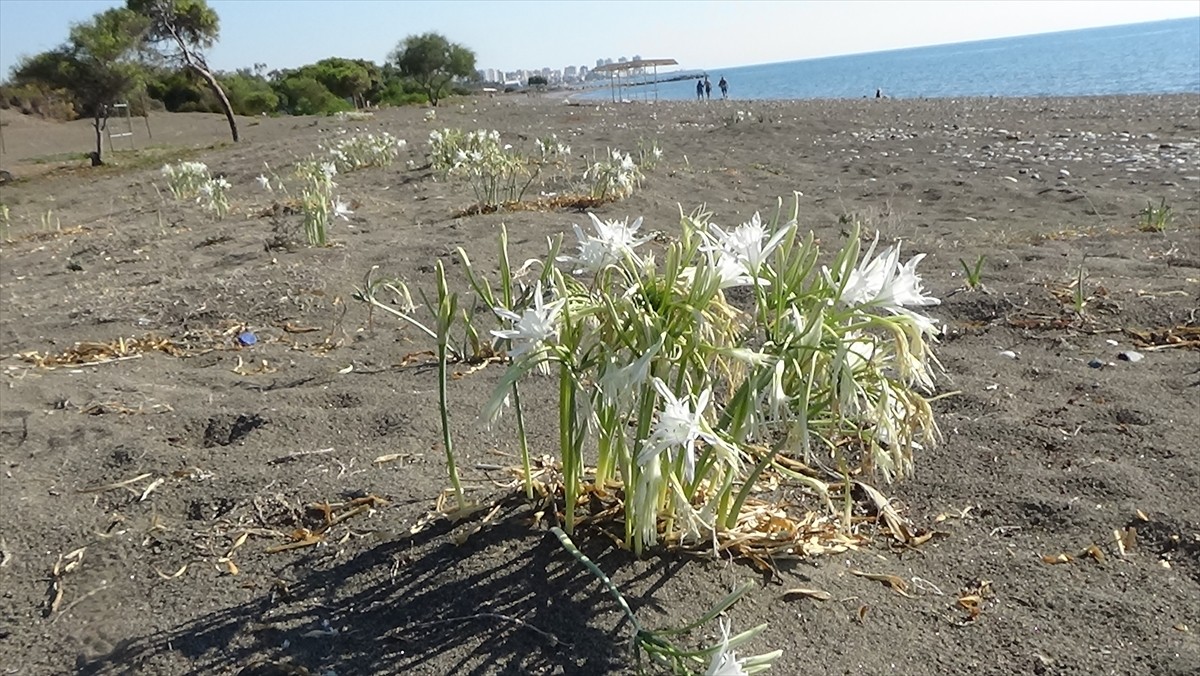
1057,443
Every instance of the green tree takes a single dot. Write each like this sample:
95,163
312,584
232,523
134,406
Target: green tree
304,95
433,62
95,65
345,78
249,94
179,30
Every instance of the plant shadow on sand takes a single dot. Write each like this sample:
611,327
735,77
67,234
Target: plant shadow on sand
507,600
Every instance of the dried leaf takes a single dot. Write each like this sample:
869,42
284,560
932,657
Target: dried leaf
972,603
1094,552
56,595
815,594
898,584
1057,559
306,542
172,576
1142,516
1129,539
241,540
151,488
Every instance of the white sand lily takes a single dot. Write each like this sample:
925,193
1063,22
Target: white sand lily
884,283
532,329
340,209
748,243
613,241
725,662
679,426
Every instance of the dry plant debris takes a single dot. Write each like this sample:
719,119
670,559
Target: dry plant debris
765,531
331,514
973,597
1187,337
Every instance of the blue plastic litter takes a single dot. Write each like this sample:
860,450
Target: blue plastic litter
247,338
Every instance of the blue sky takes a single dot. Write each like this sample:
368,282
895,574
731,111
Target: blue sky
512,35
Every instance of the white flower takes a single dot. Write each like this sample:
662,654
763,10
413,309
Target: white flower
264,182
620,383
221,183
745,242
341,209
679,425
885,283
612,242
533,328
724,661
329,169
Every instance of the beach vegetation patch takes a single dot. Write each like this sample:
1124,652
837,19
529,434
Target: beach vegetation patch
1155,218
693,404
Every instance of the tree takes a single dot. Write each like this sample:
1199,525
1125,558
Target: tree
433,62
304,95
250,94
345,78
180,30
95,66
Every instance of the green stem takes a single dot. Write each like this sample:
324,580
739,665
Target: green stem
524,441
566,432
446,304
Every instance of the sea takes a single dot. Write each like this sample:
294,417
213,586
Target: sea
1160,57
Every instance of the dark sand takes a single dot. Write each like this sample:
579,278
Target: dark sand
1043,454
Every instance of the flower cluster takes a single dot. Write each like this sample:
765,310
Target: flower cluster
614,177
496,172
366,150
644,345
185,178
318,204
212,196
649,154
191,180
353,115
550,148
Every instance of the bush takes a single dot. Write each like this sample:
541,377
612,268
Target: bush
250,94
34,100
301,95
402,92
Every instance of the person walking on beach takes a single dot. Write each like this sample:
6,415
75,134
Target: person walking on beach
707,88
699,90
724,87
